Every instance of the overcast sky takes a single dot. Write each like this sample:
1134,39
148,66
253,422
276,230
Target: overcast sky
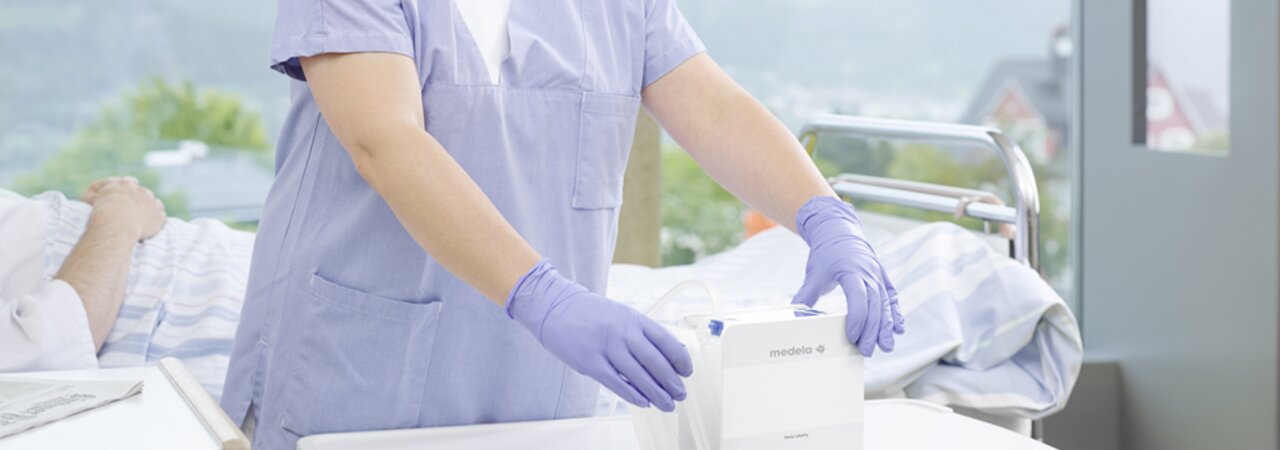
1190,40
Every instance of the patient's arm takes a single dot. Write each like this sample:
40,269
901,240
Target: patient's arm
98,267
735,139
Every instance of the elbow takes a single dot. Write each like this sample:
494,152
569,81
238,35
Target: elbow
364,151
365,163
372,150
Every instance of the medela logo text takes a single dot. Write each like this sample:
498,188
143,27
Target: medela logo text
797,351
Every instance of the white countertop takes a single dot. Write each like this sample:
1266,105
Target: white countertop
158,418
890,424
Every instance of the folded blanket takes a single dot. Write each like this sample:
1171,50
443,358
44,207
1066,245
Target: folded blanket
186,286
982,330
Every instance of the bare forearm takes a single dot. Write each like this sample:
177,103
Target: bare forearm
373,103
447,213
757,159
735,139
98,270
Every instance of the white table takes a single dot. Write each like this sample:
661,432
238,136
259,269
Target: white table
890,424
158,418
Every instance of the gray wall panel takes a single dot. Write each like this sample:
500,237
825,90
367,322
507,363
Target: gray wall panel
1179,252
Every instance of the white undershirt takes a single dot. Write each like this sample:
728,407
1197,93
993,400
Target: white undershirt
487,20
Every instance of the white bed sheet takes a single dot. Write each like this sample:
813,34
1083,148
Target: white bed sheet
983,331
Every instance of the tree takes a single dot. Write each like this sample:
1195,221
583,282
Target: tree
698,216
116,141
930,164
1217,140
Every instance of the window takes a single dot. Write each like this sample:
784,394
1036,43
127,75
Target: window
1003,63
178,94
1187,84
175,93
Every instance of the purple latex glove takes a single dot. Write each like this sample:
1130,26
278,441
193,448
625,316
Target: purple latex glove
610,342
839,255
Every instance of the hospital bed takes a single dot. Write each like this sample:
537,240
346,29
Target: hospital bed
1015,227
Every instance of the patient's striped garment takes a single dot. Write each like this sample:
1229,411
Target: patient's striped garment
186,286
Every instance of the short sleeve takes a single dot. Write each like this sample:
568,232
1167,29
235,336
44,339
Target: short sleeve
313,27
668,39
46,330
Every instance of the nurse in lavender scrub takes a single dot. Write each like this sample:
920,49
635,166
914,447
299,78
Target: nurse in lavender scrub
435,248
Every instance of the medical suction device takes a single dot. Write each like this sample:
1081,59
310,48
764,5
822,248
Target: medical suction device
781,377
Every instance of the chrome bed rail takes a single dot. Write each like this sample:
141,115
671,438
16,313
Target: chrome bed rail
1023,216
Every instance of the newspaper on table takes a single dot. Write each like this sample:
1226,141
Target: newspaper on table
29,403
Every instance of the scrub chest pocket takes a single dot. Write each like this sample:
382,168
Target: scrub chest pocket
606,129
362,360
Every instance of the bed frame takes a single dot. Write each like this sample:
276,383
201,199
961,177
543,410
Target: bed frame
1023,216
1020,223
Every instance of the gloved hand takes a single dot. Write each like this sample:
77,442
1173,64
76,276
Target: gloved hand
610,342
840,255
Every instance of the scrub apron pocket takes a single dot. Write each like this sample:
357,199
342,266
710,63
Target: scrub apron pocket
606,129
361,361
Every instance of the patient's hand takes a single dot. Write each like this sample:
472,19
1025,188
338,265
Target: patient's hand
122,202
